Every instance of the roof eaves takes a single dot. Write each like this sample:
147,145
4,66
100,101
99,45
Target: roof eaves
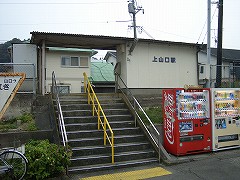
113,37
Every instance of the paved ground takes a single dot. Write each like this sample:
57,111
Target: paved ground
212,166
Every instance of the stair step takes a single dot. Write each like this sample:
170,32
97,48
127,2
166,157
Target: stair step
94,125
110,166
97,133
107,158
72,100
87,119
81,106
81,126
106,100
80,142
75,106
91,150
89,112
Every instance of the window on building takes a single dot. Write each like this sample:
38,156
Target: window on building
74,61
84,61
201,69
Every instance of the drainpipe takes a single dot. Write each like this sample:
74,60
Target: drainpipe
43,69
133,45
198,50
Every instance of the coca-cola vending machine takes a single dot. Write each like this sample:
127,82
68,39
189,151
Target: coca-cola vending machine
187,121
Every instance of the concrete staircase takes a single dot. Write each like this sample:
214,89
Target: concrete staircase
89,154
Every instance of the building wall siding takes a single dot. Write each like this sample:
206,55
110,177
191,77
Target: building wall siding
145,71
72,76
202,57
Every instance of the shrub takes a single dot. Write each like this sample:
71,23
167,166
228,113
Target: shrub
45,159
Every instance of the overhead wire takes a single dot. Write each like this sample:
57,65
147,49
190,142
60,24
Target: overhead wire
149,35
87,22
57,3
204,27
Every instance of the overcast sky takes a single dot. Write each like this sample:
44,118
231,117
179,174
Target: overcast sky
172,20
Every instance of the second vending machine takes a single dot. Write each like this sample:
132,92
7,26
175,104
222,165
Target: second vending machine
226,118
187,121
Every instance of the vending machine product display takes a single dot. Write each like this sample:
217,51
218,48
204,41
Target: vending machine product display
187,121
226,118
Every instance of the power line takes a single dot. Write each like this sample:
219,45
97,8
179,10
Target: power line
49,3
204,27
144,30
178,35
87,22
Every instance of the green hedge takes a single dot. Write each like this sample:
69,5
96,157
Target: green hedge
45,159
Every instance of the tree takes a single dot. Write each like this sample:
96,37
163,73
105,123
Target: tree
4,55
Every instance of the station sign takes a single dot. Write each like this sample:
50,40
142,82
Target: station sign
9,85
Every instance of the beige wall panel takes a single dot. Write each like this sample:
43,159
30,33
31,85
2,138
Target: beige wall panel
144,72
122,59
72,76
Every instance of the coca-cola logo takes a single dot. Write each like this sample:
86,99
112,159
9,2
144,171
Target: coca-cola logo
169,117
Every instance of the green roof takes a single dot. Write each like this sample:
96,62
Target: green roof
102,72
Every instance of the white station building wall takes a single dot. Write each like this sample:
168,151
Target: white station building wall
65,76
202,59
160,66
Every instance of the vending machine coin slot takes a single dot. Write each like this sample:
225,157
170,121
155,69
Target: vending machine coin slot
191,138
232,137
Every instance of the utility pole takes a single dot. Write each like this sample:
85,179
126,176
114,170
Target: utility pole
132,9
219,45
208,65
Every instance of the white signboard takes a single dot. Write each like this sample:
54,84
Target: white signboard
9,85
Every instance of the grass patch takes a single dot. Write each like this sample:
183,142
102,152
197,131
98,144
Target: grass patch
24,122
154,113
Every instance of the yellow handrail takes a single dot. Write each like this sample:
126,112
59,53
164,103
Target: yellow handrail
96,107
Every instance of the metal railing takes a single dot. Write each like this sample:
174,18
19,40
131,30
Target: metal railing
230,76
154,135
102,119
62,128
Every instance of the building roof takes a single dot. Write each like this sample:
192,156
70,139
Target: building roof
227,54
109,54
91,41
102,72
93,52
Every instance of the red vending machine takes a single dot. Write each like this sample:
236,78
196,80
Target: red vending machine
187,121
